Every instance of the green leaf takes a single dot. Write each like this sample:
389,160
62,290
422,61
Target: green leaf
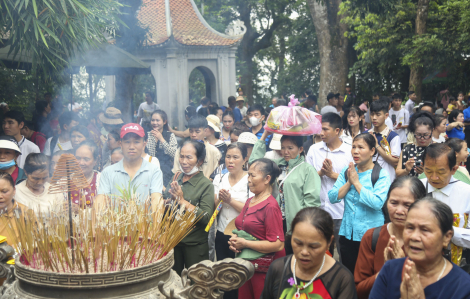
64,7
26,25
35,8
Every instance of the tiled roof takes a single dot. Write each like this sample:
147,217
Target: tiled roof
186,27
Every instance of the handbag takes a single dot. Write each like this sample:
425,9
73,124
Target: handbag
262,264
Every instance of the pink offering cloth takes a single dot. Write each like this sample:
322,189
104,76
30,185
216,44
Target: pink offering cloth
293,120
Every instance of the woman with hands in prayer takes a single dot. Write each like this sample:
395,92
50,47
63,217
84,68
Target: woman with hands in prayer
424,273
363,198
191,189
385,242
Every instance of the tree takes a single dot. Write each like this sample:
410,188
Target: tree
271,15
392,56
52,31
416,75
261,19
292,62
332,45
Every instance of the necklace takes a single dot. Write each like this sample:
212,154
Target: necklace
442,271
297,293
259,199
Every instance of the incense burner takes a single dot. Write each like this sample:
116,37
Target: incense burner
156,280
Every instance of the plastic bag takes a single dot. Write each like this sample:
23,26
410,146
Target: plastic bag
293,120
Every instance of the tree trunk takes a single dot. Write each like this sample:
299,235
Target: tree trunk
246,72
416,74
252,42
124,94
333,47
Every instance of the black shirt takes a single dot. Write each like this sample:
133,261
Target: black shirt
336,283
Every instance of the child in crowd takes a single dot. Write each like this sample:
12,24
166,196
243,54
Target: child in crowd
453,104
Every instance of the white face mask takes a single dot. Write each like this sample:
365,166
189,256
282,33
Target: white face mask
254,121
193,171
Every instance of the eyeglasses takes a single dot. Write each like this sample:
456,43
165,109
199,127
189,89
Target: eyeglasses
425,136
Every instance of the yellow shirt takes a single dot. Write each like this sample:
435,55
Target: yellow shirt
4,220
450,107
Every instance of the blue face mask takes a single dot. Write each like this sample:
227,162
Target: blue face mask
6,165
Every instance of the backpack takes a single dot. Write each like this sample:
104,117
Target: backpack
375,237
53,144
374,178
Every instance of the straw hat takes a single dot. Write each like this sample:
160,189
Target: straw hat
230,227
275,143
112,116
240,98
214,122
247,137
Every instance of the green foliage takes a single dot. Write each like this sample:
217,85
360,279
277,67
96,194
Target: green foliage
294,56
286,62
19,89
51,31
387,46
197,86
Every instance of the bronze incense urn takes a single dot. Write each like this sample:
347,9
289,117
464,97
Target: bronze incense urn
156,280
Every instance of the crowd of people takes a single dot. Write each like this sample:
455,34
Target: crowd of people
374,206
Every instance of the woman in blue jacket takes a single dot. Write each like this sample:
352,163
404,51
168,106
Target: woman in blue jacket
363,198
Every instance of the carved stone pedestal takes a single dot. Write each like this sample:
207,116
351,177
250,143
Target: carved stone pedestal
157,280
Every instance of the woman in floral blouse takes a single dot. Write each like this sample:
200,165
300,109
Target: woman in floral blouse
309,273
162,144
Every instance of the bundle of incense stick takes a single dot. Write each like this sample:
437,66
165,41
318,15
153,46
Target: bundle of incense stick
122,235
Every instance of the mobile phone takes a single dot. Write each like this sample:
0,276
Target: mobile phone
394,119
418,163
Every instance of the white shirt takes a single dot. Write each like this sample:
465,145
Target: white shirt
239,192
243,111
44,202
409,105
26,147
60,146
402,116
154,160
145,111
457,196
328,109
395,151
441,139
346,138
340,157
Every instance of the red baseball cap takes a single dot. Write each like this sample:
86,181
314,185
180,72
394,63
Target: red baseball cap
132,128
